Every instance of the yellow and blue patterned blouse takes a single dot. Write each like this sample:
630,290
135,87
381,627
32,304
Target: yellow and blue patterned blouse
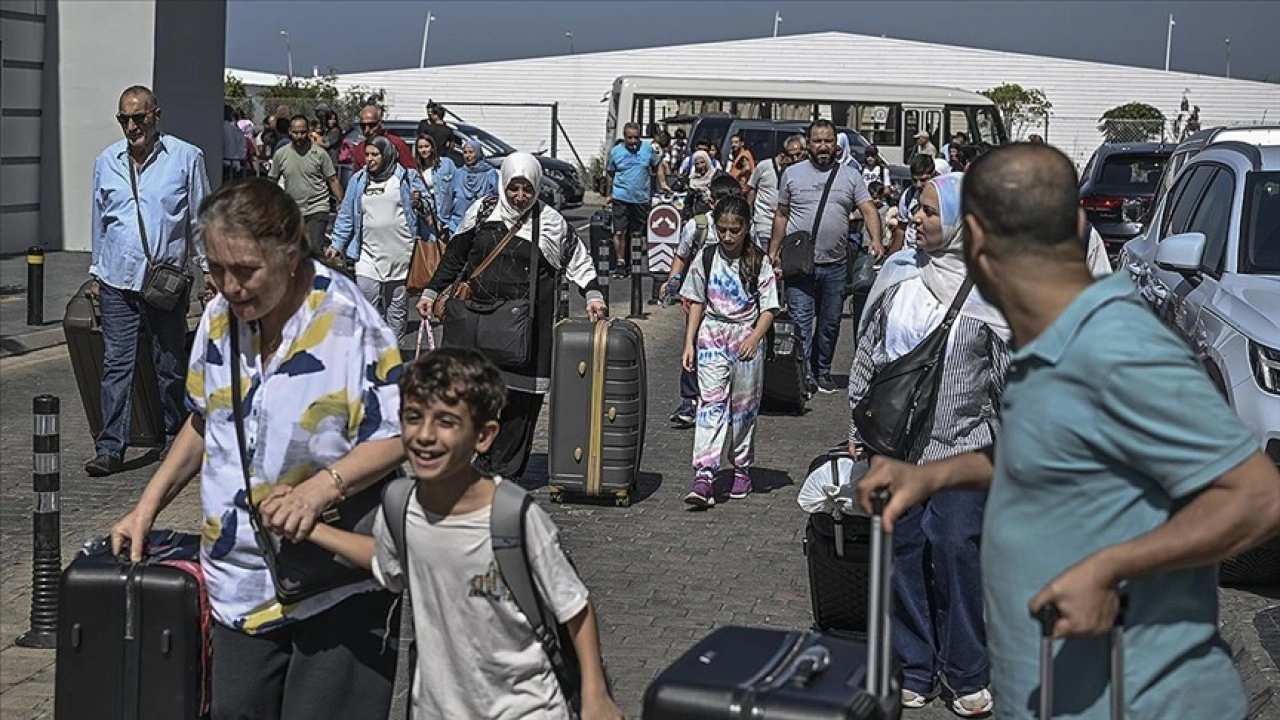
332,385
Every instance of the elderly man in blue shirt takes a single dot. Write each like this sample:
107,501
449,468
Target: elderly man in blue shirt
146,188
1120,470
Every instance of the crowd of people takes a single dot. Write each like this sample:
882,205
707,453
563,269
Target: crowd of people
297,400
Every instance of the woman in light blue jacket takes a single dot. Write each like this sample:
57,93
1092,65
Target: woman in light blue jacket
476,179
438,173
376,228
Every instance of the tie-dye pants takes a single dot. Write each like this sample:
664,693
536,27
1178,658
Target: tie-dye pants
729,398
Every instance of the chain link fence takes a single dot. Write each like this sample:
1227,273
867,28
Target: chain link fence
260,107
1079,135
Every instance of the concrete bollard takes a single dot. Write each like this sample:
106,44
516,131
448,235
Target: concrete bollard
46,548
35,285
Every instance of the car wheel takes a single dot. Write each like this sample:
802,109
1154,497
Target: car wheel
1259,566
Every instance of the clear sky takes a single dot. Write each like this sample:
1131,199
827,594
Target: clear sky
361,35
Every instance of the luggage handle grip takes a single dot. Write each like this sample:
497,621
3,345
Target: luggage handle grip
1049,614
809,664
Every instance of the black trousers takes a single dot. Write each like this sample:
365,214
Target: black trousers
332,665
510,450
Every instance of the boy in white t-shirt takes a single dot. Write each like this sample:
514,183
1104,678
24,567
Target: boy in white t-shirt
477,654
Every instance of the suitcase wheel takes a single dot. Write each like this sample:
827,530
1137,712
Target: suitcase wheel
624,500
557,496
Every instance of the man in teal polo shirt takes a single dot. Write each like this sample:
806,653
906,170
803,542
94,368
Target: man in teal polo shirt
1120,469
627,191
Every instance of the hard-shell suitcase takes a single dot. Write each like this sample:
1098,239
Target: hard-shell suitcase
1048,616
132,641
596,431
780,675
784,368
838,552
82,326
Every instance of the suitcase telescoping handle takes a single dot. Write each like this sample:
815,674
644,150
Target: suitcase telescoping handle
834,456
1048,616
880,602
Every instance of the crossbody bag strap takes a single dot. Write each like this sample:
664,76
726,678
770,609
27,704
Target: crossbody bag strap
137,206
958,302
822,202
237,413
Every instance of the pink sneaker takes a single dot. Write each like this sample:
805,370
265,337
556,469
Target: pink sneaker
741,485
702,496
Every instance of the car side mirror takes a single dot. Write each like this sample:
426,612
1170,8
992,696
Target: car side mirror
1132,211
1181,253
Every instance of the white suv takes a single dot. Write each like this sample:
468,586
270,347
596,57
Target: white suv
1209,263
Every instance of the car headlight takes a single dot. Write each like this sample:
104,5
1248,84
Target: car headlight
1266,367
554,174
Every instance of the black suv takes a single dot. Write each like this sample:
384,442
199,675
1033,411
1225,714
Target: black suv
1121,175
561,185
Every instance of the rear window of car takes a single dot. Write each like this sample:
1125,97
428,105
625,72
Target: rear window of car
1134,172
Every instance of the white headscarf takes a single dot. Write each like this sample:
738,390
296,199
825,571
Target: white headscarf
942,167
697,180
551,224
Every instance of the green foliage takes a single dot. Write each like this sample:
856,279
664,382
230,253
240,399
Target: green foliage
233,87
1132,122
1020,107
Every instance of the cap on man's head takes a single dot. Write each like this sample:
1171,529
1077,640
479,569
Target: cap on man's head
922,134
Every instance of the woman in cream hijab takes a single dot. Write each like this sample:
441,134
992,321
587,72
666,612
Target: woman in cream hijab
936,543
485,223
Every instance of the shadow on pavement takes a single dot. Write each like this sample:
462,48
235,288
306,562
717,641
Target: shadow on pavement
537,475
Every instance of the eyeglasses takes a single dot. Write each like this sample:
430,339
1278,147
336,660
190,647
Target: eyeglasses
137,118
376,123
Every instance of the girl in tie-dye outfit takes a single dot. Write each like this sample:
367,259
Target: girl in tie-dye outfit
734,297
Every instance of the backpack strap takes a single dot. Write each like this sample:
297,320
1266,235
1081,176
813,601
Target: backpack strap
708,257
395,511
507,527
701,226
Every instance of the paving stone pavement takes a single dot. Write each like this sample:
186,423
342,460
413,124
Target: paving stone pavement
662,576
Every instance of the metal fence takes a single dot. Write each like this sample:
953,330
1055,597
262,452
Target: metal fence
258,107
1079,135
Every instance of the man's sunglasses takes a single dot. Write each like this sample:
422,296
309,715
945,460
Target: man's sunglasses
137,118
370,124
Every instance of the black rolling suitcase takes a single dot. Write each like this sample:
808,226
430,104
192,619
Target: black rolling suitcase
780,675
82,326
133,639
784,365
596,430
838,552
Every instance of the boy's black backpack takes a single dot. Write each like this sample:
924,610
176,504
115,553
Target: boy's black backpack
506,528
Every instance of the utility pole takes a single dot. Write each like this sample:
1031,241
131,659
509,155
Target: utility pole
288,52
426,33
777,20
569,35
1228,58
1168,43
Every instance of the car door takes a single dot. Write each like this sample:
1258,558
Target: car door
1186,305
1154,282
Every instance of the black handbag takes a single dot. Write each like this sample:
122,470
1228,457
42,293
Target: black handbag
164,286
301,570
900,400
502,330
798,248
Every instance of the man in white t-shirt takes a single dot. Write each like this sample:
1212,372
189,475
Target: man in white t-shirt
762,188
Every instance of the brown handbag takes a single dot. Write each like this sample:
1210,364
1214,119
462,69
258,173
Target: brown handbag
461,288
422,266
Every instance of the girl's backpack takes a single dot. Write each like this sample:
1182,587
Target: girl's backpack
708,257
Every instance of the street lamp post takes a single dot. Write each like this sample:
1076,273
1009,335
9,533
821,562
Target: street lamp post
288,52
570,36
426,33
1228,58
1168,43
777,19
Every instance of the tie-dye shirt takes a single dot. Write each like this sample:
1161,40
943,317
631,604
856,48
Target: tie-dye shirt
332,385
725,297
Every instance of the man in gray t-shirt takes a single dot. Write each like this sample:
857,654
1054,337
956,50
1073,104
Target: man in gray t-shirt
820,295
309,178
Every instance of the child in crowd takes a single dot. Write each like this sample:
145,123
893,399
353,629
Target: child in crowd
698,232
733,296
477,653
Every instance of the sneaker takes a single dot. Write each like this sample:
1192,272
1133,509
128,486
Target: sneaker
975,704
741,486
827,385
685,415
913,700
811,387
104,465
701,496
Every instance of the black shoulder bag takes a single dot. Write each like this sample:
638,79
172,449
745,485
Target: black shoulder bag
301,570
798,248
163,286
900,400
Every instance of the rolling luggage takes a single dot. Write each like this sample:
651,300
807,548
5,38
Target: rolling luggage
133,639
82,326
1048,616
596,430
838,552
780,675
784,366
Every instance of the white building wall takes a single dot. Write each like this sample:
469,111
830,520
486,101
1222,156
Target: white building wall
1080,91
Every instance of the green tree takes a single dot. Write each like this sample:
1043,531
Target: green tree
1131,122
233,87
304,94
1021,108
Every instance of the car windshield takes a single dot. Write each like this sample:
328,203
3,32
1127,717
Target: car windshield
1261,246
492,146
1127,172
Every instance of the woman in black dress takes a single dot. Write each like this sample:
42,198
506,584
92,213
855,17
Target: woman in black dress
559,249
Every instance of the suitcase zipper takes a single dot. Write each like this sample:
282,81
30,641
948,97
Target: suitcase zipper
595,442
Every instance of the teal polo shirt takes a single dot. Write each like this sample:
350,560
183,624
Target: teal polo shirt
1109,426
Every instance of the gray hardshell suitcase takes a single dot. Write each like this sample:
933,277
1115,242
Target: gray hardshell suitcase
598,409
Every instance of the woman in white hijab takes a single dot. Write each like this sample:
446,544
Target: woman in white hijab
483,227
936,543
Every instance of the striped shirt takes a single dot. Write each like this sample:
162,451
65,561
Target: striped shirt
965,416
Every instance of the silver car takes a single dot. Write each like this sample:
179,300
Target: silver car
1209,264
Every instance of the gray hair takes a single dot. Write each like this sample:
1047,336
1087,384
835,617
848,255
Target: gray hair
795,140
632,126
141,90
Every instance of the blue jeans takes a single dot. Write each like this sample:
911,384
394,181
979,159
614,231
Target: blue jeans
821,295
124,315
937,626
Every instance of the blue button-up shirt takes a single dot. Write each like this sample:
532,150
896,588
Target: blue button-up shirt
171,186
